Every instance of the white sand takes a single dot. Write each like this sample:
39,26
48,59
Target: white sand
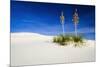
33,49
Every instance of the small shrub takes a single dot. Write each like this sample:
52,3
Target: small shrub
78,40
61,39
65,39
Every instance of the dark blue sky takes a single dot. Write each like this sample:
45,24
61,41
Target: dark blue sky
44,18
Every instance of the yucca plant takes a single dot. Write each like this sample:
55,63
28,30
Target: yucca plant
78,40
61,39
67,39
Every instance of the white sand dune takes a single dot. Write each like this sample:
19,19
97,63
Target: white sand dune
33,49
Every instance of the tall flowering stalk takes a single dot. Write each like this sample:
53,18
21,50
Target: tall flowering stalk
62,18
75,20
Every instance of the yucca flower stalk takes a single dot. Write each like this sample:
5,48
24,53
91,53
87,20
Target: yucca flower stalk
62,18
75,20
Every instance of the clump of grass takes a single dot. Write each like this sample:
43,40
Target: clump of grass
61,39
78,40
65,39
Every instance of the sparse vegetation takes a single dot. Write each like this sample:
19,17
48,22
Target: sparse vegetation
61,39
65,39
78,40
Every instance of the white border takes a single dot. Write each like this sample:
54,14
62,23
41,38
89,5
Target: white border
4,32
84,2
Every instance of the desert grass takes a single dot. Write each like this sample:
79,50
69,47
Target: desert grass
64,40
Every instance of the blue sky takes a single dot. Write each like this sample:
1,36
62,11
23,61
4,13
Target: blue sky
44,18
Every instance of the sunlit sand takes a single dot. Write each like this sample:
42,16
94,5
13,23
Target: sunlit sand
33,49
